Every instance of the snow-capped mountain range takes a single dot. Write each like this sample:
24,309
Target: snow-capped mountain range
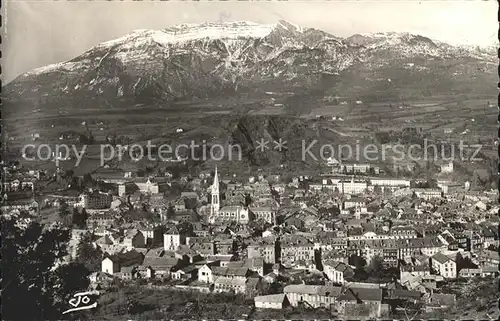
212,59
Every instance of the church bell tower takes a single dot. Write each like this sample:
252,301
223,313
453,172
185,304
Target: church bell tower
215,204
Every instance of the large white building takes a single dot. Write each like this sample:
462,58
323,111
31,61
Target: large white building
238,214
389,183
95,200
359,168
428,193
352,186
149,185
266,213
444,265
315,295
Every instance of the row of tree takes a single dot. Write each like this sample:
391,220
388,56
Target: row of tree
77,217
32,289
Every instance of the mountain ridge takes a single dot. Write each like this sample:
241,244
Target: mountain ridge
193,61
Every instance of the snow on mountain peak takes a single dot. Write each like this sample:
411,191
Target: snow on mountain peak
190,32
289,26
231,43
388,38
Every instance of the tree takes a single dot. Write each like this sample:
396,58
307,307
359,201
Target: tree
476,181
357,261
464,263
248,199
275,288
170,212
80,218
63,209
32,288
375,268
431,182
69,173
88,181
88,254
64,214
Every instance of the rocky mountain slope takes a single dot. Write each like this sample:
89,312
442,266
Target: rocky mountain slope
210,60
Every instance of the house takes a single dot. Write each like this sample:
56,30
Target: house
296,248
157,263
172,239
95,200
134,239
203,245
151,232
489,258
224,246
205,273
444,265
159,205
186,273
396,296
127,273
113,263
97,220
271,301
354,202
361,295
294,220
312,295
186,215
337,272
265,248
428,193
446,167
416,246
223,259
271,277
231,272
105,240
186,254
125,188
486,271
267,214
421,260
100,278
403,232
228,284
256,264
200,229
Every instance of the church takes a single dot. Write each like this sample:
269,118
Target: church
226,214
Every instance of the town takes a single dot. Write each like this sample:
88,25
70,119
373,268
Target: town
353,241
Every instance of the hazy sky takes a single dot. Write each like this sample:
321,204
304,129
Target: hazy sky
38,33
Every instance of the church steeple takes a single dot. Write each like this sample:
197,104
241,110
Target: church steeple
215,194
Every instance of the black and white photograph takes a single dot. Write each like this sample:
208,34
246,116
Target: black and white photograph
250,160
